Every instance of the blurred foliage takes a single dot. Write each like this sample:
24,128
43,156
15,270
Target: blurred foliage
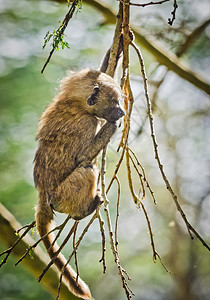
182,123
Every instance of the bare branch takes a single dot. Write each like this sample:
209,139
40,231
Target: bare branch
126,42
101,223
9,225
60,228
170,21
144,4
128,292
140,175
118,210
115,45
190,228
9,250
29,226
192,37
163,56
75,252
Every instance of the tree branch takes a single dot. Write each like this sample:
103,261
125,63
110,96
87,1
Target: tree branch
190,228
9,226
192,37
164,57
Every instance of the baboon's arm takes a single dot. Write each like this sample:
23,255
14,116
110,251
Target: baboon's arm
100,141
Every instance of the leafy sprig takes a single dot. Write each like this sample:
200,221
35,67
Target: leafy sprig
57,37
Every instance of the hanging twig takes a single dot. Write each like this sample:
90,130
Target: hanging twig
118,211
128,292
190,228
140,175
60,230
190,39
75,251
139,204
101,223
170,21
60,32
125,135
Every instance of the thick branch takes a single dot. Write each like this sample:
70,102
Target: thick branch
9,225
115,45
192,37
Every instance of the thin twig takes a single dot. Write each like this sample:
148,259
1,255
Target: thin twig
155,253
75,249
139,204
118,211
60,230
31,225
103,259
9,250
144,4
166,269
190,39
170,21
144,175
139,174
190,228
150,232
80,238
59,286
63,26
75,253
128,292
129,99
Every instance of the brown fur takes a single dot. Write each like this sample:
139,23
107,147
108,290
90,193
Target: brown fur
65,171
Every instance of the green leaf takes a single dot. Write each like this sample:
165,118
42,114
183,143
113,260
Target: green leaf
31,254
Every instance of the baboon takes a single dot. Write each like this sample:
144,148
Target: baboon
65,171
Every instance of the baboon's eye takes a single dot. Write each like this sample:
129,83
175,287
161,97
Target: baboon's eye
96,88
93,98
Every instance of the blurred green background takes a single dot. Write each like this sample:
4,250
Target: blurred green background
182,124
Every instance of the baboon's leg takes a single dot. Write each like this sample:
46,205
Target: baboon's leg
77,195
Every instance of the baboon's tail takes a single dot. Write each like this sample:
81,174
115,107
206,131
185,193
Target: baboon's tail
44,218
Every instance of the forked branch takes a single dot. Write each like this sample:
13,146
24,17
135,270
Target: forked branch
9,250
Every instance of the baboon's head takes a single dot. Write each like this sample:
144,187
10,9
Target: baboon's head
104,99
95,92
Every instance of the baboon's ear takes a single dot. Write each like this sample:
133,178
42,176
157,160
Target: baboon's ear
93,98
